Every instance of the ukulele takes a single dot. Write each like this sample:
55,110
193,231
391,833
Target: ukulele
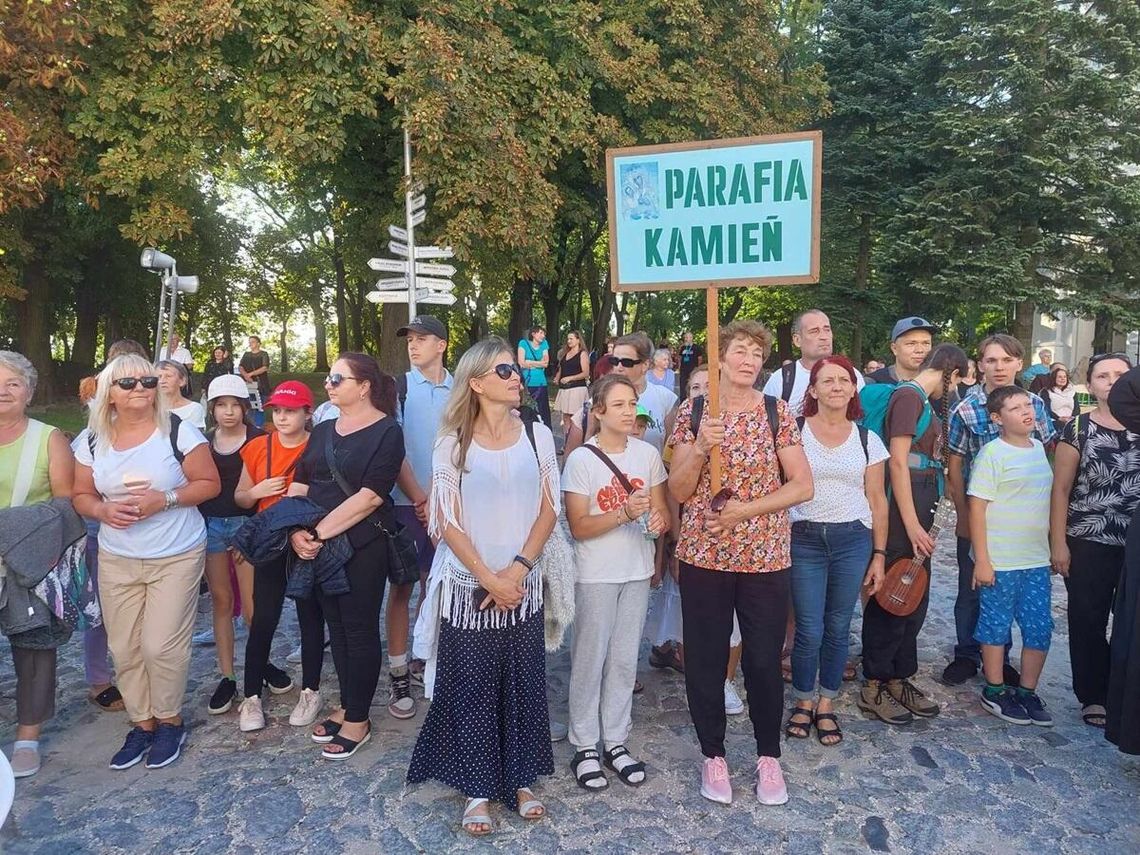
906,580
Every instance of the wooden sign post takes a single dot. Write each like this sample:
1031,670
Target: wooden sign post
717,214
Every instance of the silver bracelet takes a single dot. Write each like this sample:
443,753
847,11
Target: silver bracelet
171,500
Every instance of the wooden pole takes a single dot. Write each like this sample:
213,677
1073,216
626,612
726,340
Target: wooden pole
712,346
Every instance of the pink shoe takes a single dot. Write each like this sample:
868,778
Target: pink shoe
770,786
715,785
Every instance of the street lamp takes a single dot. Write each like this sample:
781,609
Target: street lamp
167,269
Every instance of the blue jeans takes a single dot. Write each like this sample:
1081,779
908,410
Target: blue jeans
829,561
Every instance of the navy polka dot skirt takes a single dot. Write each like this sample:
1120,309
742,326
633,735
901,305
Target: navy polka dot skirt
487,731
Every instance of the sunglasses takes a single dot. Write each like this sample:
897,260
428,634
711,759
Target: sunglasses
128,383
335,379
716,505
504,370
1101,357
624,362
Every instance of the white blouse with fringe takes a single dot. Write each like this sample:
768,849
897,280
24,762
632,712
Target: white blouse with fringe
495,502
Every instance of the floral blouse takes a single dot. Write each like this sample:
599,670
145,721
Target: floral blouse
749,466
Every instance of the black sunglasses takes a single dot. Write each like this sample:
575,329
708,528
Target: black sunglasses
1101,357
717,503
624,362
335,379
128,383
504,370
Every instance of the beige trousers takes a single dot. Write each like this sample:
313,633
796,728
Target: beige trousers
149,605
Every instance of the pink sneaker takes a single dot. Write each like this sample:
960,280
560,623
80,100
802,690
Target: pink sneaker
770,786
715,785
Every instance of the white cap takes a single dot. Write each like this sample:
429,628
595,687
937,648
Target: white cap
227,384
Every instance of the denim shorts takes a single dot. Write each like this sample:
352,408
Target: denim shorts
220,531
1021,595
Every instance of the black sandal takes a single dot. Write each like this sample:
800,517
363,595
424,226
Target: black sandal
584,778
625,771
332,728
822,734
348,746
108,700
799,729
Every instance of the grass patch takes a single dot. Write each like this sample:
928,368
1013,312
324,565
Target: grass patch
69,416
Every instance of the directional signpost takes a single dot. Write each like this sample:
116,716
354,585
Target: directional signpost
418,282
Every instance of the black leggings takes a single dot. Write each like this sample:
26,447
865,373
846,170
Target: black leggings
1094,574
268,600
354,628
708,599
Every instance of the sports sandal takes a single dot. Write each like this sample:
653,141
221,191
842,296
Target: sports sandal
1094,715
331,728
799,723
108,700
476,813
626,771
348,746
529,804
584,778
835,735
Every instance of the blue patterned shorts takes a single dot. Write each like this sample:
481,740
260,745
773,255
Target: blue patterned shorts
1021,595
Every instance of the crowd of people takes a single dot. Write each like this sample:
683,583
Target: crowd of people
833,485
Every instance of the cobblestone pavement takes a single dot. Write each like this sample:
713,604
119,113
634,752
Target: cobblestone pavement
961,783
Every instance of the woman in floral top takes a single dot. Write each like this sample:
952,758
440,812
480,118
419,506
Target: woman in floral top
735,554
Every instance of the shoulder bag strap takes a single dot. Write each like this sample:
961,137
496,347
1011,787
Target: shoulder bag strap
605,458
29,453
268,456
788,380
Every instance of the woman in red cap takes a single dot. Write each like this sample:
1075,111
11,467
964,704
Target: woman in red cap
267,472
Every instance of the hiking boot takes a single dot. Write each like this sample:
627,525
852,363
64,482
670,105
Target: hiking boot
959,671
907,694
1006,706
223,697
876,700
401,704
1035,708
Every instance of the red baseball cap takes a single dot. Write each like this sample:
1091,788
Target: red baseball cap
292,394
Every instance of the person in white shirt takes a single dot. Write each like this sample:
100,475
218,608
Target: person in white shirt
811,333
172,379
614,528
177,352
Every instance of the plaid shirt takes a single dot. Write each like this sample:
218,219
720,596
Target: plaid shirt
971,426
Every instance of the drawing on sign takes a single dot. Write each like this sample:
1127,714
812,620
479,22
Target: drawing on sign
639,191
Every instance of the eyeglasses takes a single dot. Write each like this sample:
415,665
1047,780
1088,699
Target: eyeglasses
128,383
624,362
503,371
335,379
716,505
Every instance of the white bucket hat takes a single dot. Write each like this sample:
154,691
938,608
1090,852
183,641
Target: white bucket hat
227,384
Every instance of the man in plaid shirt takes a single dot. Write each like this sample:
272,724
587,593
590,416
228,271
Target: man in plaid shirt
1000,358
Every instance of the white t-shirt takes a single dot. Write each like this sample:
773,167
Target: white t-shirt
840,494
659,401
167,533
180,355
623,554
192,413
775,386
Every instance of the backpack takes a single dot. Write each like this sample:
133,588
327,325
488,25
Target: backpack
175,421
402,393
875,398
788,380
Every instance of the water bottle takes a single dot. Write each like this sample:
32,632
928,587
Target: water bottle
643,522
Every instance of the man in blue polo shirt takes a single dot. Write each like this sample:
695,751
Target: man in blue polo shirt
422,395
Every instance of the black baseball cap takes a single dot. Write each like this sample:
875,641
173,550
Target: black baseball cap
910,325
424,324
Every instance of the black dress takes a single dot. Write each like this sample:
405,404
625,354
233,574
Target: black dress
1123,721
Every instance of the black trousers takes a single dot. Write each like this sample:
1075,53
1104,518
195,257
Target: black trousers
268,600
760,600
890,642
1094,573
354,628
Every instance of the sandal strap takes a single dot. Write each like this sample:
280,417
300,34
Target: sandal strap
826,716
585,754
616,752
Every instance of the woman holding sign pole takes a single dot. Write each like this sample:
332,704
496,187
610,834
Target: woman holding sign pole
734,552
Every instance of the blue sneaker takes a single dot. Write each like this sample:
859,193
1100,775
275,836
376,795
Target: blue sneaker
1006,706
167,745
134,749
1035,709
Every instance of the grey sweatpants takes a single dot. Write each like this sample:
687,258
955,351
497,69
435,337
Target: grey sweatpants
603,660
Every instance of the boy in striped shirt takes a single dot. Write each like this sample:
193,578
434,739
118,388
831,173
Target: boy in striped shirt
1009,529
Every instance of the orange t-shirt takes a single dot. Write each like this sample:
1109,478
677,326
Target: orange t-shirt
283,462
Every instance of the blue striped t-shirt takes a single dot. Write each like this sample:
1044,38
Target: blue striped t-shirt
1016,482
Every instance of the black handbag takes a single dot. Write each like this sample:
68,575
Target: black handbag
403,555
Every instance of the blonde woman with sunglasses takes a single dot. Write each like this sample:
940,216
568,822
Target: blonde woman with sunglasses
142,474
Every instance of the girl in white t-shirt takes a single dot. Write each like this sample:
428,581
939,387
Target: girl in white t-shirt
838,542
614,529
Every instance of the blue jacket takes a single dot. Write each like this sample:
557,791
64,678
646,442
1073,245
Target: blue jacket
265,537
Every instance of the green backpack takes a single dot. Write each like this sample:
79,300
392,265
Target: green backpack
876,397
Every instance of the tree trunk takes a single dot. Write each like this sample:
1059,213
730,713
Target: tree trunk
1024,314
341,298
33,329
621,309
862,281
522,308
393,356
86,325
374,329
1102,333
284,344
730,310
552,308
784,341
356,312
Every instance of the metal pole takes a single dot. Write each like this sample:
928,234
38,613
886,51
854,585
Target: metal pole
408,193
161,311
173,308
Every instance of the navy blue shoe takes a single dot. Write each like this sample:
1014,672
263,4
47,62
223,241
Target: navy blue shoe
167,745
1035,709
134,749
1006,706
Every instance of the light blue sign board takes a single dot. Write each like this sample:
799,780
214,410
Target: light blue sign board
723,213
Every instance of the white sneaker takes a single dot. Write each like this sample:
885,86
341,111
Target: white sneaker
307,709
733,705
250,716
294,658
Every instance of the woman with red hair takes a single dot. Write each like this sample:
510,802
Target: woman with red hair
838,542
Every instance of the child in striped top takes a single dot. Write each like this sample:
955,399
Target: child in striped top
1009,527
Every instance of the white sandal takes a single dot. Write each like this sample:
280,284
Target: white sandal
527,805
472,819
